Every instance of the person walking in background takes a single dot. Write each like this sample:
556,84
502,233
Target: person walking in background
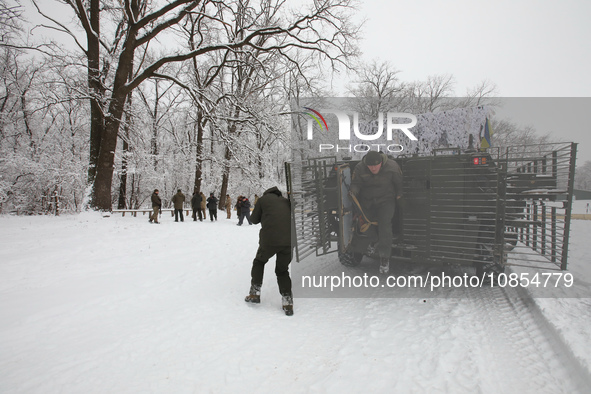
256,199
156,206
196,205
273,212
238,202
244,211
228,206
178,200
212,205
203,204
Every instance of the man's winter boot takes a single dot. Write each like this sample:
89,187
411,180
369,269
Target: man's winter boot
384,265
287,302
254,296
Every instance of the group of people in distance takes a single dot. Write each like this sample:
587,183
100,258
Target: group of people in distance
199,204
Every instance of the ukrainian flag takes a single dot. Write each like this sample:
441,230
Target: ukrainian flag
488,132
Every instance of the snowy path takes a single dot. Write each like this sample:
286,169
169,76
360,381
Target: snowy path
117,305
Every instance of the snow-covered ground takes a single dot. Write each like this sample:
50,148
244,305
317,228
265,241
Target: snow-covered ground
582,206
117,305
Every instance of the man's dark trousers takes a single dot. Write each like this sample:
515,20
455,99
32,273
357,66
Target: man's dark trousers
383,214
176,215
284,255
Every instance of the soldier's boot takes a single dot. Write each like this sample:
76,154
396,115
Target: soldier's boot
254,295
384,265
287,303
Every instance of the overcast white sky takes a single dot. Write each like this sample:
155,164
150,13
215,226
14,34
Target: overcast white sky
528,48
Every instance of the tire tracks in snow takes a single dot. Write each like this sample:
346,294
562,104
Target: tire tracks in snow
576,369
532,342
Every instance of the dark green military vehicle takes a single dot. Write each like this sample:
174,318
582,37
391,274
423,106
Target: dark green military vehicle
468,208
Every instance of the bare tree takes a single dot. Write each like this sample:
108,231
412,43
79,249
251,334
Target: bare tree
202,75
89,17
10,22
157,109
428,96
325,28
484,93
122,201
507,133
583,176
40,148
378,85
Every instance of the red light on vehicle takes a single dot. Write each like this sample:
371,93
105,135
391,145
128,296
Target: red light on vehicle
479,161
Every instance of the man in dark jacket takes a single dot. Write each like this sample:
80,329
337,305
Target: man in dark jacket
196,205
156,206
244,211
178,200
377,184
212,206
273,211
237,206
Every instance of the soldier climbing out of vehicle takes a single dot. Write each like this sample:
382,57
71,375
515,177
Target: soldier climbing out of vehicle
375,187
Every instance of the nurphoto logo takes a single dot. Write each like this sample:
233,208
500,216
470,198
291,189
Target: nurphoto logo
344,129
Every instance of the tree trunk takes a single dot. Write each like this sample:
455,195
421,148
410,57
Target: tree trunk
227,157
224,191
123,183
96,90
225,177
27,123
57,202
259,159
106,159
154,141
134,197
199,157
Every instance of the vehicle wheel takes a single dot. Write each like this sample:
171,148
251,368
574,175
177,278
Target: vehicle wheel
350,259
488,265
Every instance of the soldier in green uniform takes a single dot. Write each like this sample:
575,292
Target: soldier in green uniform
156,206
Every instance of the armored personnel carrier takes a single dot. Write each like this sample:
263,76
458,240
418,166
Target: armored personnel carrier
460,207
